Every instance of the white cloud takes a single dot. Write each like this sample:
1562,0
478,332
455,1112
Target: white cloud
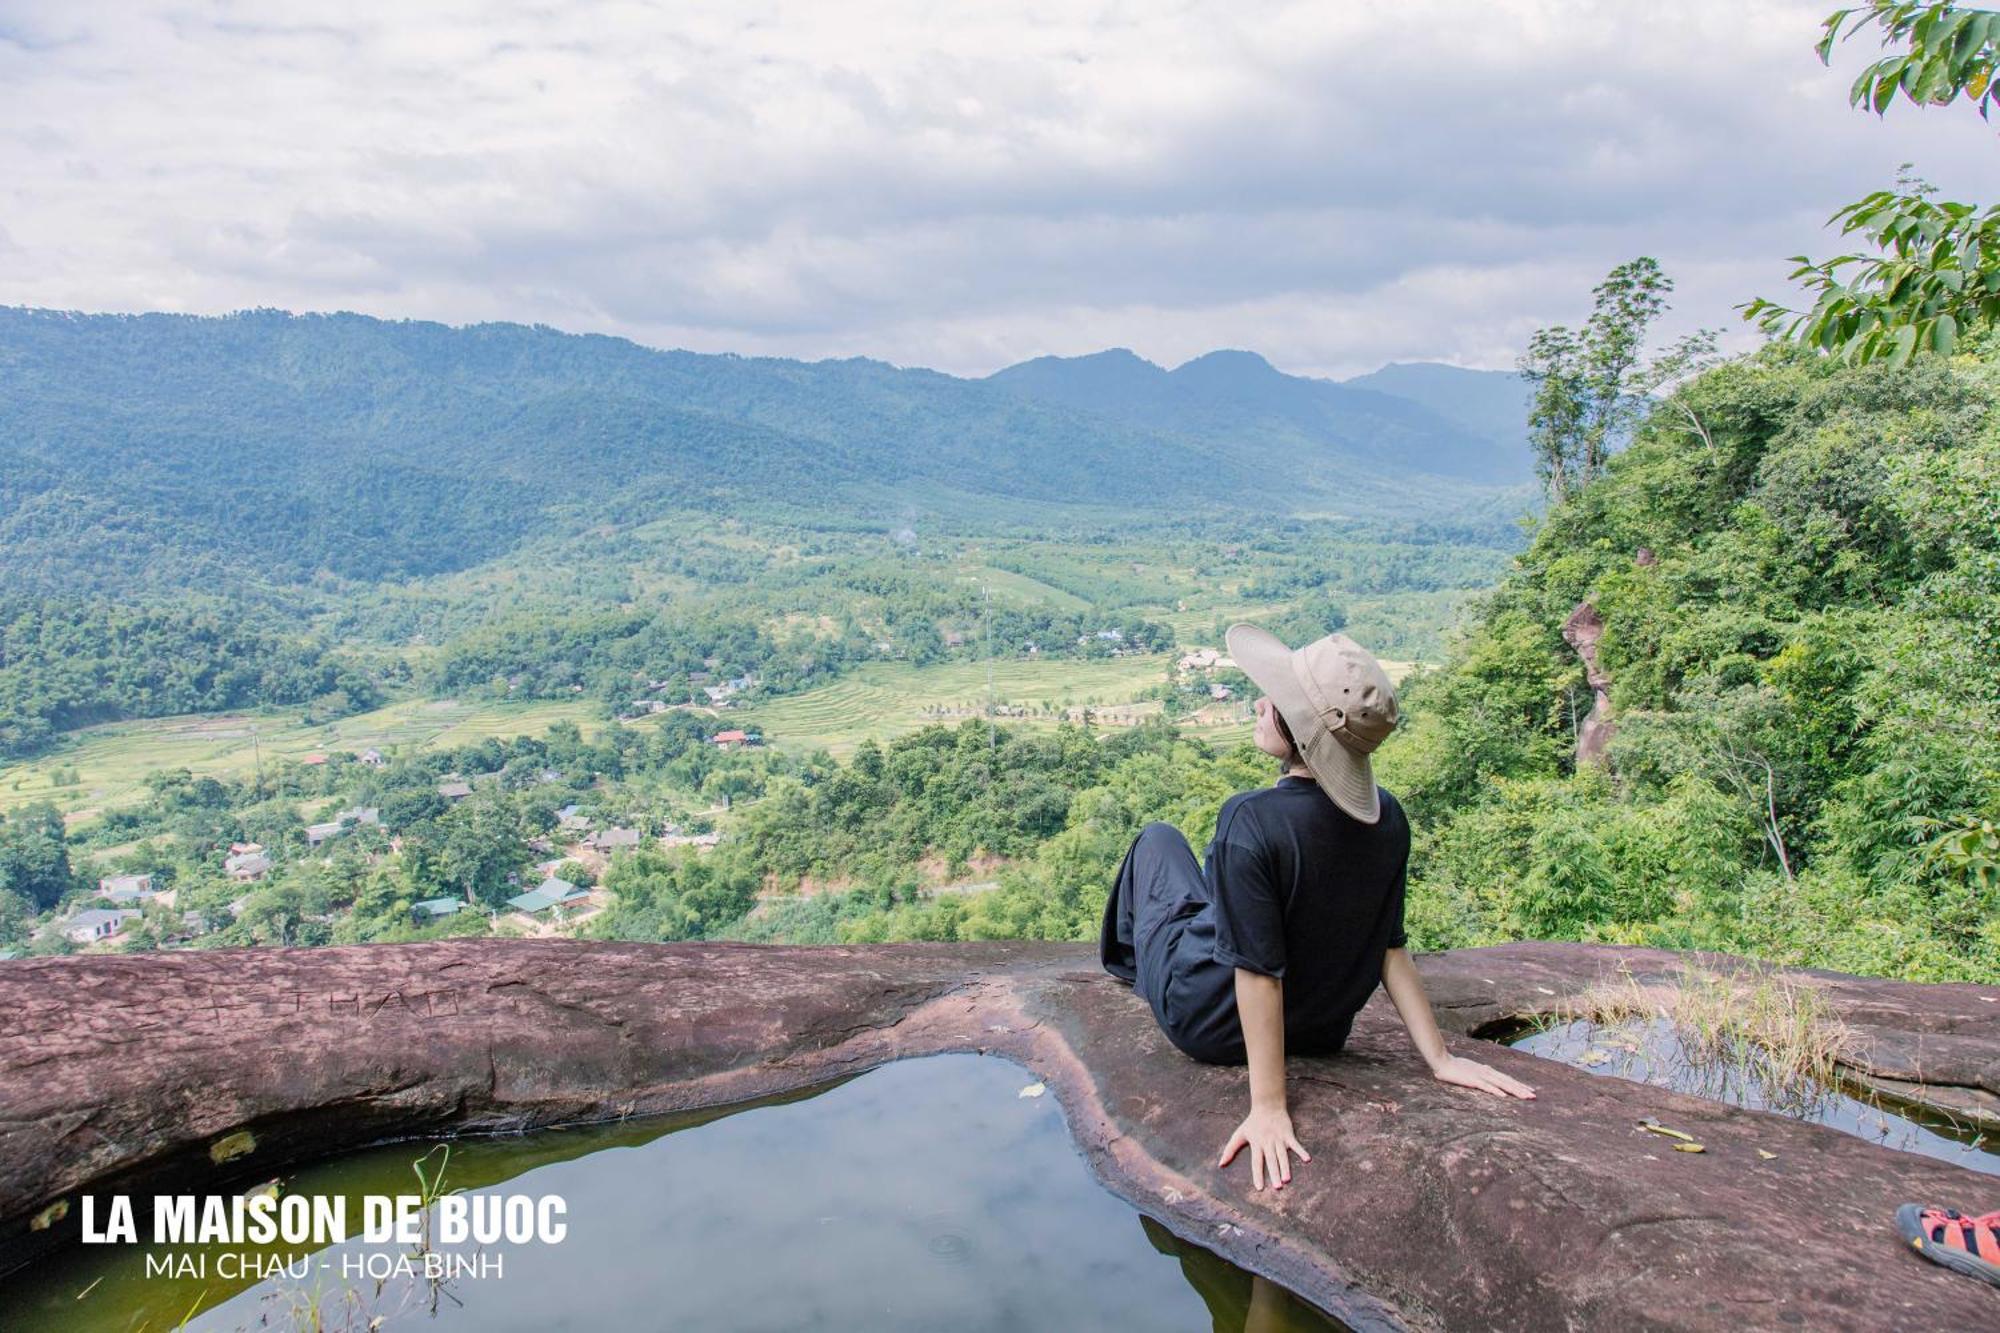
1335,185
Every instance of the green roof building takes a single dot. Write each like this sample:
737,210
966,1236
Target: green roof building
551,892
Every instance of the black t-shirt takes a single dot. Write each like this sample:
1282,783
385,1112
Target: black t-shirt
1297,889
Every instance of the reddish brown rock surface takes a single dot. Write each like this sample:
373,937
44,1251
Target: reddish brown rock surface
1582,631
1423,1207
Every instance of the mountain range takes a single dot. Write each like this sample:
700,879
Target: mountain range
1400,422
294,444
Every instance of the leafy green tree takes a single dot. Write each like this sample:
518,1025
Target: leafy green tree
34,856
1928,270
1591,383
482,846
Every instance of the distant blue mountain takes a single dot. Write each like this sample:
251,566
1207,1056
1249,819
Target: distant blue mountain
1491,403
1317,433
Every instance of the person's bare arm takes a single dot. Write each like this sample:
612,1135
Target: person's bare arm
1267,1130
1406,992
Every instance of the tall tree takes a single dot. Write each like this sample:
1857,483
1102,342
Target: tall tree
34,856
1590,383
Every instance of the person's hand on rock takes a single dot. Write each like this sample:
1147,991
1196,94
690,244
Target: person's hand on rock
1463,1073
1267,1133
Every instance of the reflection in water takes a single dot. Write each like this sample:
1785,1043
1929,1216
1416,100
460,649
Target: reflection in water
1651,1051
1236,1299
924,1195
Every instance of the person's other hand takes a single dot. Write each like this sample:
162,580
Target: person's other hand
1463,1073
1268,1135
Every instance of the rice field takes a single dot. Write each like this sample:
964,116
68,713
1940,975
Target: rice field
110,762
106,766
1006,584
885,700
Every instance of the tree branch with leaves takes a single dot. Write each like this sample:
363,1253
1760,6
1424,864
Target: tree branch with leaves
1929,269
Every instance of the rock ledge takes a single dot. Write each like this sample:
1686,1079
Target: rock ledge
1424,1207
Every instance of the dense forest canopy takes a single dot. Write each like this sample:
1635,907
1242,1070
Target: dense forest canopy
1801,624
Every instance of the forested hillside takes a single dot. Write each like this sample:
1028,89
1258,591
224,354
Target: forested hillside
1800,590
163,451
67,664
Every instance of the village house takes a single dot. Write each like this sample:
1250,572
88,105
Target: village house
550,894
246,866
98,923
126,888
721,695
735,739
313,760
373,758
612,840
345,819
454,789
572,819
1219,691
434,909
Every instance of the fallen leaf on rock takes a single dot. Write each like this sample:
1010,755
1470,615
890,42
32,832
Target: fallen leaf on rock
1032,1090
1767,1156
232,1146
1689,1147
1652,1126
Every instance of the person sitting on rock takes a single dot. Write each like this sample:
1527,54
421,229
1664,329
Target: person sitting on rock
1299,914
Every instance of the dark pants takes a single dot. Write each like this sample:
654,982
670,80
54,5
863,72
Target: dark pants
1159,887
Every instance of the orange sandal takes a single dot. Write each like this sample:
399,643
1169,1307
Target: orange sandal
1968,1245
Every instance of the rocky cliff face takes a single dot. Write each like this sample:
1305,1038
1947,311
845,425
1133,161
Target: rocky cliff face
1424,1207
1581,631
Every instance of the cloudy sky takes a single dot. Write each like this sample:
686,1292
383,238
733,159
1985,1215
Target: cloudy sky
1335,184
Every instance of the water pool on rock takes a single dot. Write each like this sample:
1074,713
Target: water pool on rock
927,1194
1651,1051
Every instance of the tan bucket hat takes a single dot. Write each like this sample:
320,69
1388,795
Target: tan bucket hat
1337,701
